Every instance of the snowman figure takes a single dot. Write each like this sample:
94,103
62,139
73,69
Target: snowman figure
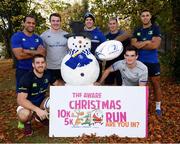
79,66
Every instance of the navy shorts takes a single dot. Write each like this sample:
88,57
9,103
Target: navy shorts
153,69
19,74
55,74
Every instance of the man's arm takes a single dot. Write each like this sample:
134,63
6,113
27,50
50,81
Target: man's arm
40,50
153,44
123,37
139,44
58,83
24,102
148,44
142,84
21,53
143,78
104,76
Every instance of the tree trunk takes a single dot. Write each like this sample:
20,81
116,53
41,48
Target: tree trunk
176,41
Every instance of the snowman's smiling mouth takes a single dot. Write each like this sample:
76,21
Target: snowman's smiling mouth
82,74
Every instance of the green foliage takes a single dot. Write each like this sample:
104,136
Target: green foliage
166,60
176,40
128,12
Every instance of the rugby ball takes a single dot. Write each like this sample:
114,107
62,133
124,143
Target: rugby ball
109,50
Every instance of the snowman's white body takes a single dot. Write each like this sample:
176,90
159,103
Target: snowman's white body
79,73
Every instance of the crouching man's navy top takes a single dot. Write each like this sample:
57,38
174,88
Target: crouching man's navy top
35,87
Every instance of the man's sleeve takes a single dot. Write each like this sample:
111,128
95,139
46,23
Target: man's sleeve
116,66
24,84
40,41
42,36
144,76
134,34
156,31
16,41
102,37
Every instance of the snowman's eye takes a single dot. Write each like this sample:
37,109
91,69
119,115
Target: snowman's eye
87,43
73,43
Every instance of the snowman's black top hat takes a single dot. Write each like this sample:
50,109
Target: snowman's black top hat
77,28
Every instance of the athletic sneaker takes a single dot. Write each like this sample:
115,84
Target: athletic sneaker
158,112
20,125
28,129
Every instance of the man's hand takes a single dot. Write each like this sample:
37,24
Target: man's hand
41,50
43,114
97,83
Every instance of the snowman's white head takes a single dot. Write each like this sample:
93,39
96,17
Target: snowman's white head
79,43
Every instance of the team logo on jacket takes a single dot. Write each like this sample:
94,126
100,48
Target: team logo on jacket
46,81
138,34
34,85
23,39
150,32
37,40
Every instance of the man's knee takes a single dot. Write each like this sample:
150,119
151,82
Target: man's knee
24,114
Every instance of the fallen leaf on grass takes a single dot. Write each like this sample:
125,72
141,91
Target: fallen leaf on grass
2,136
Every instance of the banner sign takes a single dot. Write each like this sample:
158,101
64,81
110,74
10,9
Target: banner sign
100,110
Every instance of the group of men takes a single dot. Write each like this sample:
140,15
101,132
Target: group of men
33,75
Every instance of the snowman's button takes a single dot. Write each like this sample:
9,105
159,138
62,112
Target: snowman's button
82,74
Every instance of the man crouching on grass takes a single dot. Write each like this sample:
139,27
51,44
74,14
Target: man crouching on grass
31,97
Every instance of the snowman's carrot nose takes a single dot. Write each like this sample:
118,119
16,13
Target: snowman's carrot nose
80,41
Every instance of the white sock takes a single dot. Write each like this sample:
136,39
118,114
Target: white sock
158,105
47,103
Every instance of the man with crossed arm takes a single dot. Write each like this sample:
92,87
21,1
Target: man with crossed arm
147,40
25,44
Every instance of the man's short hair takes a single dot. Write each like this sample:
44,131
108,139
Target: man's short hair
113,18
145,10
38,56
132,48
30,16
56,15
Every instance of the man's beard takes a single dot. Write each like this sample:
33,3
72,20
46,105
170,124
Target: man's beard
39,70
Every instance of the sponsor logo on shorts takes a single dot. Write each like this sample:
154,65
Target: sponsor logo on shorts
158,73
